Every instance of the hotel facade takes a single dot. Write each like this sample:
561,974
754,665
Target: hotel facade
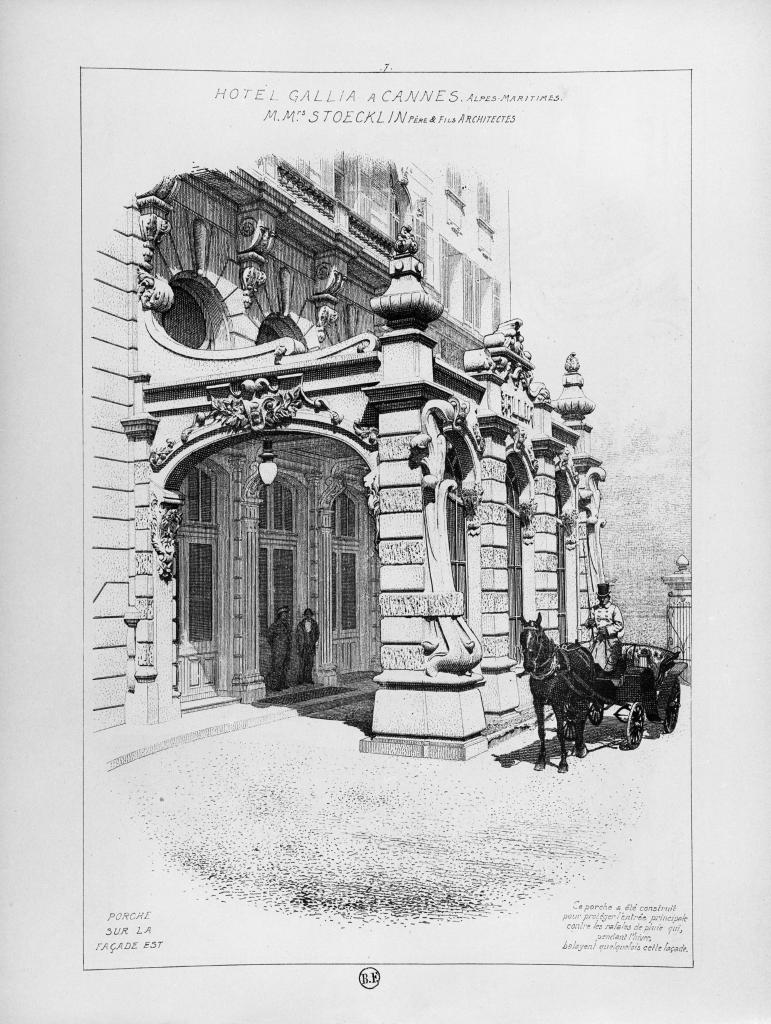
301,392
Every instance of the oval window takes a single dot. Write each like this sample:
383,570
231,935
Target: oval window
185,322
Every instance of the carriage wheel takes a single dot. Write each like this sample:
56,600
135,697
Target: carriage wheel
596,712
673,709
570,729
635,725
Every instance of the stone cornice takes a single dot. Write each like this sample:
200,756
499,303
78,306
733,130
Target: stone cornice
547,446
495,426
450,376
140,428
563,433
585,462
412,394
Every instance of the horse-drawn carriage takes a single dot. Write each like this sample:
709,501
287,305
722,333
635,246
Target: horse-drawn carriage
644,683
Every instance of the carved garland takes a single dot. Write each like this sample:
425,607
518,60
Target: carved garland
251,407
164,526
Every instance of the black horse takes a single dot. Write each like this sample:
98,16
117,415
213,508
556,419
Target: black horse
562,678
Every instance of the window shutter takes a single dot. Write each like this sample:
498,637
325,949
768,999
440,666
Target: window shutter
348,590
200,591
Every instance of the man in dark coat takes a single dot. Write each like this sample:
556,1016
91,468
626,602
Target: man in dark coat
280,640
306,636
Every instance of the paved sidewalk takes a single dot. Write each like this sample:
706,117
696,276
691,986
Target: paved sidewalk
122,745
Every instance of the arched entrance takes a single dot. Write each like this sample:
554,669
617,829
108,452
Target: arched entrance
245,550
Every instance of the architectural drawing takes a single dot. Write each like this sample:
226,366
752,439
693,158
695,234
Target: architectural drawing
347,549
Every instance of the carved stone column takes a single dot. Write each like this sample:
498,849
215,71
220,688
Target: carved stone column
544,523
500,694
252,682
165,518
429,702
149,700
327,670
237,461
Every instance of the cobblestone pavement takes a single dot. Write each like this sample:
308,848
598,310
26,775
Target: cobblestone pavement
291,818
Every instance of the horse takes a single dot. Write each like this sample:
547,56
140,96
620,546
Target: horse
561,678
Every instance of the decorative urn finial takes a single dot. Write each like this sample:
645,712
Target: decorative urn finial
405,303
572,404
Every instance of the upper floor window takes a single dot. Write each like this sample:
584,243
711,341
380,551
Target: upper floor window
345,516
454,181
196,319
199,497
277,509
424,235
483,202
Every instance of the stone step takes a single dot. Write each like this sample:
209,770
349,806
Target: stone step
205,703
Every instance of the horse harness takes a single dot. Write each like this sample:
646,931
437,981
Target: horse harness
557,661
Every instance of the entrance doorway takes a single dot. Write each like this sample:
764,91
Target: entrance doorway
246,549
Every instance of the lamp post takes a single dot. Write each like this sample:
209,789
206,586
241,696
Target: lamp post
267,467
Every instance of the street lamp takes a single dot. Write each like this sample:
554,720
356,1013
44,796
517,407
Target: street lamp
267,468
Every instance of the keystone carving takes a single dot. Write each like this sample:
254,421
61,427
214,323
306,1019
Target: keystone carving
251,259
326,316
251,407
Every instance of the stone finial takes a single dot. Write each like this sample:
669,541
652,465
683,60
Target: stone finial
572,404
405,303
682,564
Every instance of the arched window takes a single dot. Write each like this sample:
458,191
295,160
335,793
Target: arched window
344,566
561,566
283,509
514,561
196,319
456,526
345,516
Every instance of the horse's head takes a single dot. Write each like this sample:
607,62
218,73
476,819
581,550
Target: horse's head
531,638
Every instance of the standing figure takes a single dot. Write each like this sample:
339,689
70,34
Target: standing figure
607,625
306,636
280,640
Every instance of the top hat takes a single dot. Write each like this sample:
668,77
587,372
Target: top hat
308,611
603,590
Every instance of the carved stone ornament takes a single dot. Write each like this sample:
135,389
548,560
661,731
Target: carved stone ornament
405,303
367,435
471,498
251,407
450,648
251,259
564,462
527,510
155,293
164,525
524,446
253,277
325,317
569,522
372,484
